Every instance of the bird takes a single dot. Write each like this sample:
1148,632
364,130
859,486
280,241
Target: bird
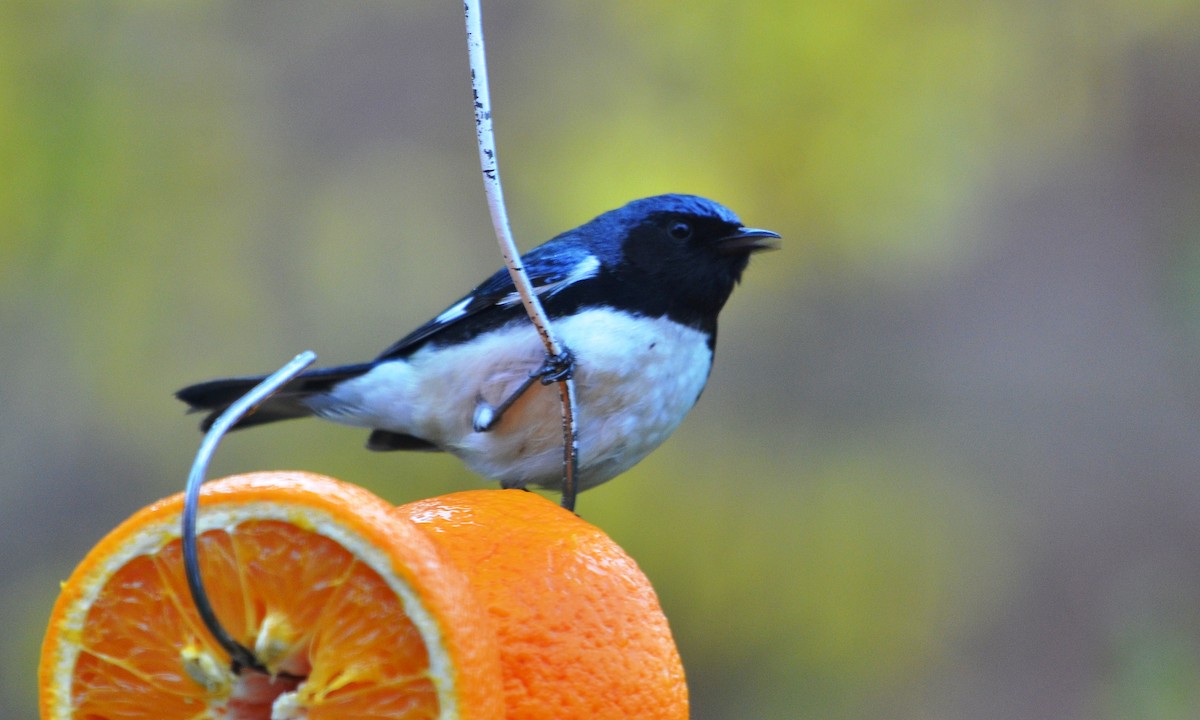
633,295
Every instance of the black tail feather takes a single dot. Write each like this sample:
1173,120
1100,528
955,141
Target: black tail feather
215,396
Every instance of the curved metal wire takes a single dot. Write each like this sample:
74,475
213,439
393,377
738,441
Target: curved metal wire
242,657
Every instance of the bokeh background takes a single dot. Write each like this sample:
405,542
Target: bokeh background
948,464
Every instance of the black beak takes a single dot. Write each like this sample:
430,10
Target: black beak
749,240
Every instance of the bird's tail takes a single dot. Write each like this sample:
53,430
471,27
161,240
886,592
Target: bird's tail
214,396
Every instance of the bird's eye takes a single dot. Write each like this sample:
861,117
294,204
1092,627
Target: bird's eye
680,231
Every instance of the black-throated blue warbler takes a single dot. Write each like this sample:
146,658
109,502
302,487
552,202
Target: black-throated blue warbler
634,296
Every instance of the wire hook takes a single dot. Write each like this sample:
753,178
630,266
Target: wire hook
241,656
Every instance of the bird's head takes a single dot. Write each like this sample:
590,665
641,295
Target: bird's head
689,250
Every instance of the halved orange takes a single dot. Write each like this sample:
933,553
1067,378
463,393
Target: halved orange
356,615
580,628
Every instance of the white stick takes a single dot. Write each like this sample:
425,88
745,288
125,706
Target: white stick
508,248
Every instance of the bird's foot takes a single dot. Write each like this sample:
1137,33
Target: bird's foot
556,368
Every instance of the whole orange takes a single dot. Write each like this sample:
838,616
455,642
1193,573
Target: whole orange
580,629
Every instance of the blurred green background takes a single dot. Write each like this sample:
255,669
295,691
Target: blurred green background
948,464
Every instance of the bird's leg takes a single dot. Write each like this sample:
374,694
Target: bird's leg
554,369
487,416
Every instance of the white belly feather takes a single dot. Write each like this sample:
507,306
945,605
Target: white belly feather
636,378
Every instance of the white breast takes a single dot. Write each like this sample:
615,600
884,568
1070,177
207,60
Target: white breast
636,378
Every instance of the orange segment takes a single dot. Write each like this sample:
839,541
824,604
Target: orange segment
316,576
580,629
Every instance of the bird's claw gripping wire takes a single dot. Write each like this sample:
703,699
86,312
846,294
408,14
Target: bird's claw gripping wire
556,368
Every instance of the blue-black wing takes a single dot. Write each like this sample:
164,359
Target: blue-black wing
494,302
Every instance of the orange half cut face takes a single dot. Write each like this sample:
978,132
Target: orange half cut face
353,614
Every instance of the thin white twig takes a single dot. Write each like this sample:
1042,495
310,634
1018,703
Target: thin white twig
508,248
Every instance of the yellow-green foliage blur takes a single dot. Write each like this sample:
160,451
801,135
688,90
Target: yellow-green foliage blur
948,463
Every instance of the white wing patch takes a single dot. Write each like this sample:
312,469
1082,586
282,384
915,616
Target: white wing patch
589,267
455,311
